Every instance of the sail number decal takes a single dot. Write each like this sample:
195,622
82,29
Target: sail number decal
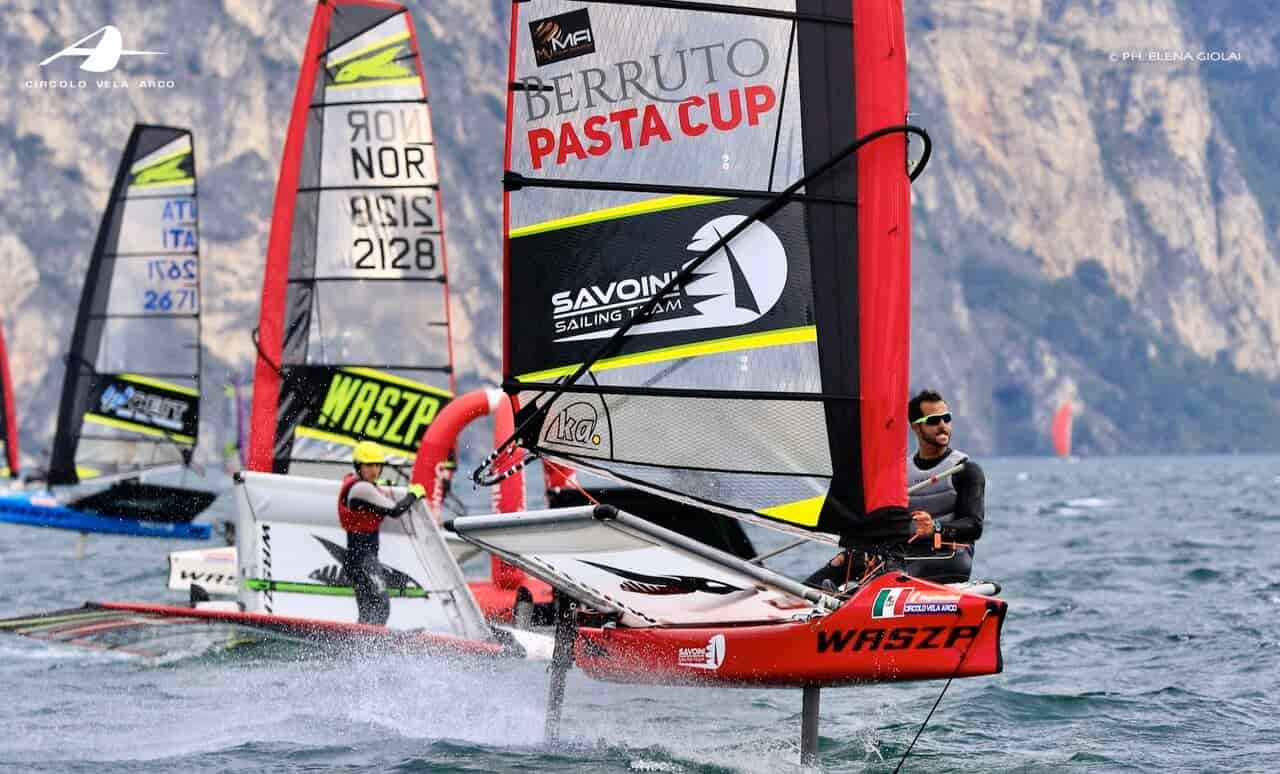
180,300
392,211
379,172
156,269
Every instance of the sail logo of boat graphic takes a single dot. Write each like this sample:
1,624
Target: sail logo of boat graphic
665,585
736,285
105,55
336,574
709,657
375,67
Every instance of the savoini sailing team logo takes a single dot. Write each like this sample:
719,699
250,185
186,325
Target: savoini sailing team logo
736,285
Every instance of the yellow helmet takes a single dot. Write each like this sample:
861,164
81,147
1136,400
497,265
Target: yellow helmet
368,453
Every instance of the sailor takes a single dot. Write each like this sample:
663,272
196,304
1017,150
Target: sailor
946,515
952,507
362,505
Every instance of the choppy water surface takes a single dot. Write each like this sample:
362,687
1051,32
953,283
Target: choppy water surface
1143,635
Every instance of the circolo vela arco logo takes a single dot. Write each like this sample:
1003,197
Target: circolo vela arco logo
104,55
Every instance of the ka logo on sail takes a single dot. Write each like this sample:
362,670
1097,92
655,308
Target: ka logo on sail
104,55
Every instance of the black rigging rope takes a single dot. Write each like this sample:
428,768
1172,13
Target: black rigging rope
938,700
484,475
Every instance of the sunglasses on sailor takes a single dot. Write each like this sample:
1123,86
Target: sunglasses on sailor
934,419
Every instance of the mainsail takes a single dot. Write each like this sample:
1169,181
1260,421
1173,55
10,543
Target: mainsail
131,394
707,289
353,333
8,420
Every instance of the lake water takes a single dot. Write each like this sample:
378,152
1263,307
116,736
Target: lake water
1143,635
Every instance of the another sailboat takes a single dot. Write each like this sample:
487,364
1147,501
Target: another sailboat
1060,429
130,407
708,296
353,333
8,416
353,345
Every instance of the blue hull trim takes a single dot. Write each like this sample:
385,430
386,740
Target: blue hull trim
32,511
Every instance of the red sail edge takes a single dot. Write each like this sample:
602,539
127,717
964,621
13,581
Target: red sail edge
1062,430
884,251
10,420
275,278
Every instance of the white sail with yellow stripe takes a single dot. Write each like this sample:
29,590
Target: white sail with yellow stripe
354,324
131,395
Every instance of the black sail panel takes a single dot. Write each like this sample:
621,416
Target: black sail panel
131,394
671,321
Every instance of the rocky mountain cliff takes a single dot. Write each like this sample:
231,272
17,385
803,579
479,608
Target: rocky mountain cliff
1098,222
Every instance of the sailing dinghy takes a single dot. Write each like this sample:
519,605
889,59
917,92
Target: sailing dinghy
353,331
354,336
130,407
287,573
707,273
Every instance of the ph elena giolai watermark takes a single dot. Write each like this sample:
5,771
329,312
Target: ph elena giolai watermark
100,59
1173,55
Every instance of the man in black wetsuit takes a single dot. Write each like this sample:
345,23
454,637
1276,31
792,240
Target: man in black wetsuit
362,505
951,508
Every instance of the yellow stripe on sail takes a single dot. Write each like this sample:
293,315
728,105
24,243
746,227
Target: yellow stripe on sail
136,428
374,373
163,171
371,47
151,381
614,213
800,335
802,512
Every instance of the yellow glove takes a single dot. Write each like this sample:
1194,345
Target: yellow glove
418,491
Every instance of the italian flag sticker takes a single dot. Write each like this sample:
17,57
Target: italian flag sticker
890,603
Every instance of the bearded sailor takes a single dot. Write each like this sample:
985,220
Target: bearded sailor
362,505
946,512
951,508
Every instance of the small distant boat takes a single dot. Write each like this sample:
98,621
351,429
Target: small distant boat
1061,429
130,406
8,418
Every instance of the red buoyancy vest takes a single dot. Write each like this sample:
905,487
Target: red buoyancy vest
355,519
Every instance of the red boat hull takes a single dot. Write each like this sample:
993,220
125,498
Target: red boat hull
895,629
